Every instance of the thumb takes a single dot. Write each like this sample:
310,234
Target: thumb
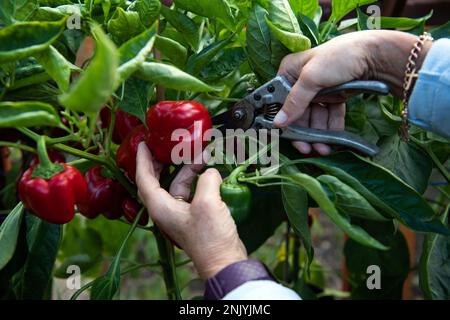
208,188
298,100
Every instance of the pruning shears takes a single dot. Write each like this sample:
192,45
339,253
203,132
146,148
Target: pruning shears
258,109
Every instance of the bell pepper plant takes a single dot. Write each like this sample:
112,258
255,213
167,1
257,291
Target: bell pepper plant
76,99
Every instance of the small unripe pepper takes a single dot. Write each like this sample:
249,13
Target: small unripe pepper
237,196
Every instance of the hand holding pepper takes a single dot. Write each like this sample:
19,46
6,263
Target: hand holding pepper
204,228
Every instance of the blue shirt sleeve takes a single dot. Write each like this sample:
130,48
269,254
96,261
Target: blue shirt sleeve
429,105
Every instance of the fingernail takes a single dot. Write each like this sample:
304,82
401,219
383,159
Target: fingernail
280,118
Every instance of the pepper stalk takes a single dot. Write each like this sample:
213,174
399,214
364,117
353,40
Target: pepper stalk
46,168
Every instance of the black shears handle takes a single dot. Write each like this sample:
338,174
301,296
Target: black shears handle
276,92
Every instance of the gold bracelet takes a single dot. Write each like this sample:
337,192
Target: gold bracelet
411,75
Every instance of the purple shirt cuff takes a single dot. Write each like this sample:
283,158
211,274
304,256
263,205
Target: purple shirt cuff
234,276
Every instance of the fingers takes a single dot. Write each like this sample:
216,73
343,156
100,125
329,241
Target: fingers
181,185
329,117
303,147
291,65
208,187
319,120
336,116
156,199
298,100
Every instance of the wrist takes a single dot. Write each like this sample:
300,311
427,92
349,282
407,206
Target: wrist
210,267
388,53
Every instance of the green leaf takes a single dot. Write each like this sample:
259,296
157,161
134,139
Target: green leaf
295,202
134,52
305,7
27,114
148,10
400,23
56,66
440,32
105,287
406,160
267,200
348,200
435,264
281,14
25,39
197,61
217,9
259,44
136,98
309,29
124,25
9,231
184,25
172,49
17,10
315,190
172,77
366,118
225,63
43,240
295,42
386,192
393,263
340,8
97,83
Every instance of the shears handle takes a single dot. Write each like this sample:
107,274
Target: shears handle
339,138
277,90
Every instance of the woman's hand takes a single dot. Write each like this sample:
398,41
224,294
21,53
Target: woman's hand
204,228
375,55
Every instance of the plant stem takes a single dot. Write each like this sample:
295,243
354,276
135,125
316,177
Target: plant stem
167,261
34,136
438,164
124,272
17,146
44,160
296,258
112,124
67,138
286,255
232,178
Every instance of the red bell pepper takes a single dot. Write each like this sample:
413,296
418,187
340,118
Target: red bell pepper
131,209
126,155
124,124
104,196
51,191
167,116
